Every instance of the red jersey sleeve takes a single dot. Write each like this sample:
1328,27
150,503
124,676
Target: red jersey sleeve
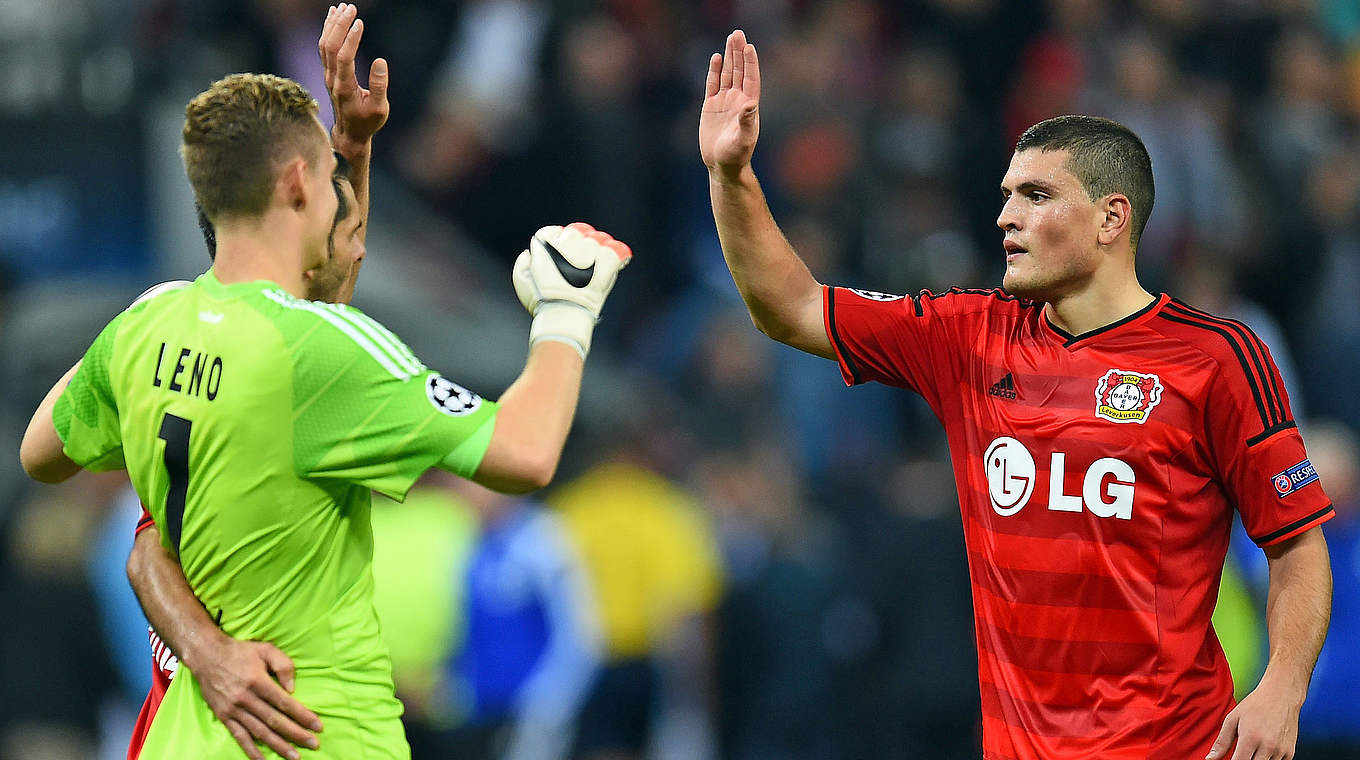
143,522
1257,449
911,342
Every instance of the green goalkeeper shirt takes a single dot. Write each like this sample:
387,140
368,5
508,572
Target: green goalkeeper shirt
253,425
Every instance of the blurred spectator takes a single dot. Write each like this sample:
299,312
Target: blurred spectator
420,550
789,622
530,651
1294,128
55,668
1197,187
653,566
912,565
466,153
1328,322
1209,279
1327,726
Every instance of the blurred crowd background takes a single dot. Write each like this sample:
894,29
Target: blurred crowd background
740,558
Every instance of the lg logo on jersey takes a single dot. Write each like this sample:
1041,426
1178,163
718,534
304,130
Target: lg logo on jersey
1106,489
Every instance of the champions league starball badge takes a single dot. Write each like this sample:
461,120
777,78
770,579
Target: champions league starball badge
450,397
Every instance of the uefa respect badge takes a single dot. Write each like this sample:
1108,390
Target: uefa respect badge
1294,478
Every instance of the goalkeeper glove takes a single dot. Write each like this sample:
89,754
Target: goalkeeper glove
563,279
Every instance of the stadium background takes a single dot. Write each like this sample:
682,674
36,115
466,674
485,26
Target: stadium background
814,601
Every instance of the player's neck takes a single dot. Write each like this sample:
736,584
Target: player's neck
250,252
1095,307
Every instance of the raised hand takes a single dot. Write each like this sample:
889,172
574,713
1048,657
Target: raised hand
359,112
729,124
563,279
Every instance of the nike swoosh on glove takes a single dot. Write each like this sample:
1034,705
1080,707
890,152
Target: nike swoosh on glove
563,279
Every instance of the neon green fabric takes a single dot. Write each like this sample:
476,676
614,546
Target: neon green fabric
254,424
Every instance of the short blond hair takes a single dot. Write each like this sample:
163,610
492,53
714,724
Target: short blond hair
237,135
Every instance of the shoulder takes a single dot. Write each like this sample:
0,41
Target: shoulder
954,300
1230,344
337,331
1241,365
975,302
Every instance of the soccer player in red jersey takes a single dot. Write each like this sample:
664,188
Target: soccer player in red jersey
1102,437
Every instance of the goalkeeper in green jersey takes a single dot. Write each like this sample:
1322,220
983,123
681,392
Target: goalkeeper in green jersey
254,423
243,682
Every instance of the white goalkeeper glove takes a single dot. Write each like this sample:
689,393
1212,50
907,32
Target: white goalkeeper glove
563,278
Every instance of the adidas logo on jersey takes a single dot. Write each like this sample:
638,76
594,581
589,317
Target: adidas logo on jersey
1003,388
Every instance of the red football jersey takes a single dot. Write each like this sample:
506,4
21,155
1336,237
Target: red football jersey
163,667
1097,476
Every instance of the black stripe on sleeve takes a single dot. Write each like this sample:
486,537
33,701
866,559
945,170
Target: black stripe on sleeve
836,336
1270,431
1266,421
1291,527
1269,373
1254,346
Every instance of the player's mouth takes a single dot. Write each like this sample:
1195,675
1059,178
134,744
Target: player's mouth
1013,250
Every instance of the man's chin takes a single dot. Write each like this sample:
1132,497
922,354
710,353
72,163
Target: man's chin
1018,287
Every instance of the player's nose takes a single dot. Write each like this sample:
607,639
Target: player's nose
1008,219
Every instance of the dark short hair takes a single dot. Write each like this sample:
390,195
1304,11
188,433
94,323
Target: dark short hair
205,226
1105,156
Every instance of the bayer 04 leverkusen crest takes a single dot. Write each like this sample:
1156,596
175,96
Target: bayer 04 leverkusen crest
1123,396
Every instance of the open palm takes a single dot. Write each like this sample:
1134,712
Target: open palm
730,122
359,112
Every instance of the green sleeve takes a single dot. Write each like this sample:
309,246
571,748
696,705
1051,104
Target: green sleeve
366,411
86,413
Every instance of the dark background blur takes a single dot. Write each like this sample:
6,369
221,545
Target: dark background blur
833,620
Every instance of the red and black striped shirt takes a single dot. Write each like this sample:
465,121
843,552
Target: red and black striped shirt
1097,475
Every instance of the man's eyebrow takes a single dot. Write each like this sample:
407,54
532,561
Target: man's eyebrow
1032,184
341,165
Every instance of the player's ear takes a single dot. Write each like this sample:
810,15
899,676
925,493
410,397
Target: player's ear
1118,215
291,187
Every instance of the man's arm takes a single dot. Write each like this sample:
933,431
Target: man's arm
41,452
532,423
1298,608
563,280
359,113
237,678
784,299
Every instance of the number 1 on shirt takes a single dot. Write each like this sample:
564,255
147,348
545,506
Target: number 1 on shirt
175,433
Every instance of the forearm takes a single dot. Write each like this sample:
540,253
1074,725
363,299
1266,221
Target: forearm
780,292
169,604
41,452
533,421
1298,608
359,154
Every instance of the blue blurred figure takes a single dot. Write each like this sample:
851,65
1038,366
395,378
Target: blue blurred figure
1327,724
531,646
